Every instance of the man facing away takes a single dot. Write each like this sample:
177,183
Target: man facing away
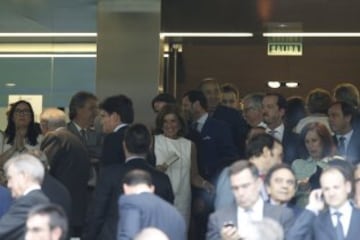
231,222
46,222
339,221
140,208
25,174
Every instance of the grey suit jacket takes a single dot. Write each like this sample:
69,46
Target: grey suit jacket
282,215
308,226
12,224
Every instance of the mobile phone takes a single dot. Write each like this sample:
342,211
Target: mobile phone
229,224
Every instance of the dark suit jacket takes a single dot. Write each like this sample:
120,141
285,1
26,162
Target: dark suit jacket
12,224
353,149
237,124
281,214
93,142
112,151
70,164
5,200
290,143
102,223
138,211
214,147
308,226
57,193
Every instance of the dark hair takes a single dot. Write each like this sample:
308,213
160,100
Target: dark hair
78,101
196,95
170,109
137,139
281,100
347,92
295,111
256,144
57,217
346,108
136,177
121,105
230,88
32,130
274,169
318,101
242,165
163,97
325,137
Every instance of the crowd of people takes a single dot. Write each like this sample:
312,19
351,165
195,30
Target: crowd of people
212,166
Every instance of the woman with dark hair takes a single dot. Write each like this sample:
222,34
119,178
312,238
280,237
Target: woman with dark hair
176,156
21,133
319,149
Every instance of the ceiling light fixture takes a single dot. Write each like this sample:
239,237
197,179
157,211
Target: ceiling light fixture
10,84
48,34
311,34
205,34
292,84
52,55
47,47
273,84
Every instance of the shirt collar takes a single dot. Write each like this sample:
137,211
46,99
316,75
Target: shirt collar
77,126
344,209
347,136
32,188
134,157
202,119
120,126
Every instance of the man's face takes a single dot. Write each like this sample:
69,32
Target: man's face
159,105
37,228
252,114
16,181
271,112
338,122
88,113
335,188
282,186
107,121
246,188
212,94
187,108
230,100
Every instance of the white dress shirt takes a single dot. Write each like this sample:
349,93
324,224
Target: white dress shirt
345,218
278,132
201,122
246,216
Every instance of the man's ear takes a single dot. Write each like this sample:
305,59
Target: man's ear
56,233
126,189
266,151
152,188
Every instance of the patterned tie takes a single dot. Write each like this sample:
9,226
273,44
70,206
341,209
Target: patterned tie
339,228
341,145
83,135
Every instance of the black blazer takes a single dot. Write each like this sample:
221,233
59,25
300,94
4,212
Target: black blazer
12,224
102,222
112,151
291,143
353,149
70,164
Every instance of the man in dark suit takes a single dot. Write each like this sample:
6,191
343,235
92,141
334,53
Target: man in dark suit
339,221
116,113
5,200
69,163
102,223
230,222
25,174
140,208
274,107
346,137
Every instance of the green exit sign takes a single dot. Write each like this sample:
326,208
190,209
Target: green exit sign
284,49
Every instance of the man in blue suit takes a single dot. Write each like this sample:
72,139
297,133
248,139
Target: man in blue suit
346,137
337,222
140,208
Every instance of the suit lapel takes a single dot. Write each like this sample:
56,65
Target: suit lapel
326,226
353,232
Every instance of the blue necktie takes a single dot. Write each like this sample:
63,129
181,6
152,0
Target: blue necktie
339,228
341,145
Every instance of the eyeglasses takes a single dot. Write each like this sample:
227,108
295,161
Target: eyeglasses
22,111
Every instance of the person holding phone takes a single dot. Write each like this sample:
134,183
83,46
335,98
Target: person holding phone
329,214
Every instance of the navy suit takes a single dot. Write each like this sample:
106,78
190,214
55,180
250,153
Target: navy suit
353,149
102,222
12,224
308,226
237,125
282,215
5,200
290,143
214,147
139,211
112,151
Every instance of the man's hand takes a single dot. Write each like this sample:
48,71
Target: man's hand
316,201
229,233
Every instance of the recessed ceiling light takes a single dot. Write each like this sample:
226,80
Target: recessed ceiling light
292,84
10,84
205,34
274,84
311,34
48,34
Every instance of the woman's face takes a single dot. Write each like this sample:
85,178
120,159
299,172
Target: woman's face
22,115
314,145
171,126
